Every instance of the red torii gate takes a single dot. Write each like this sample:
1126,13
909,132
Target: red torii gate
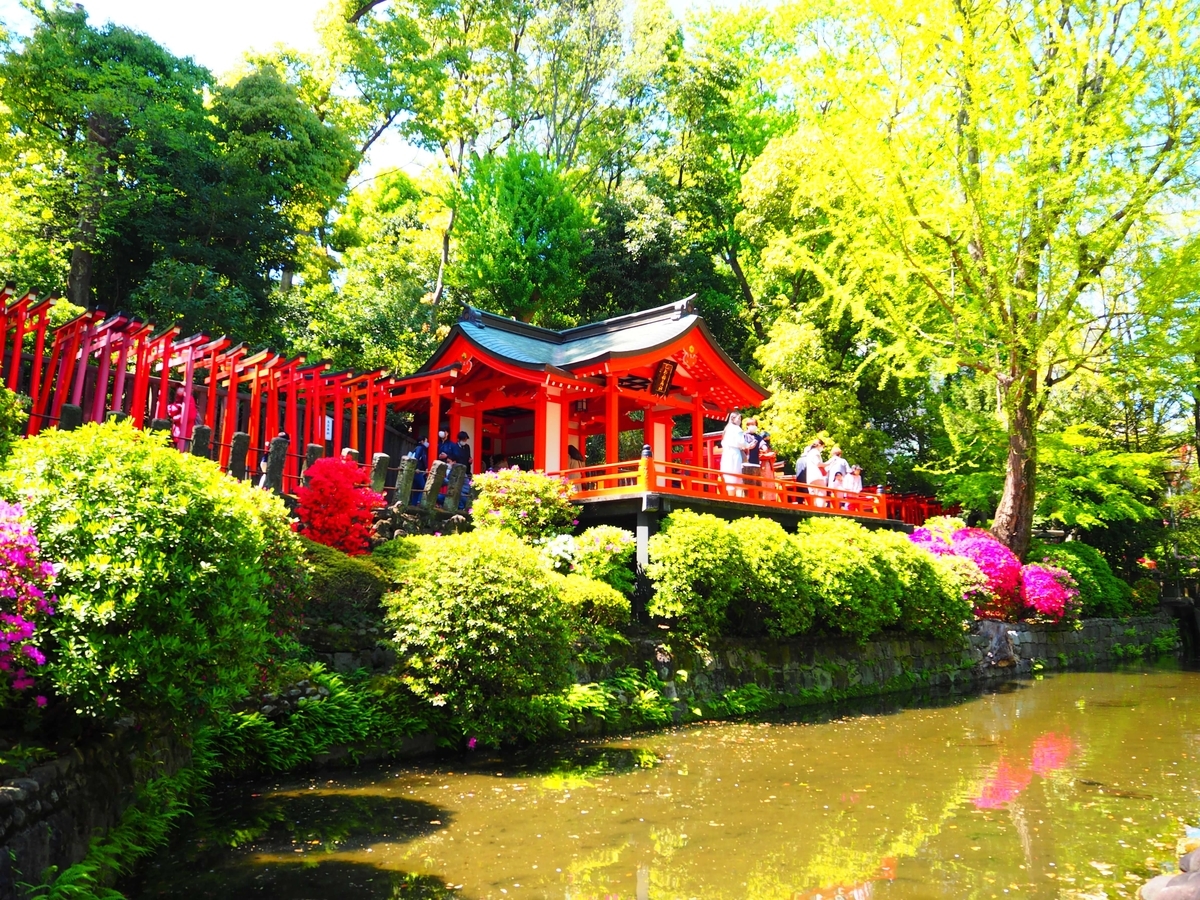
118,363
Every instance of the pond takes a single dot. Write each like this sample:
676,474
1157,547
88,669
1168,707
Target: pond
1077,785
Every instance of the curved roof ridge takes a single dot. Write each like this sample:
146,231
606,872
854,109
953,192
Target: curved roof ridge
665,313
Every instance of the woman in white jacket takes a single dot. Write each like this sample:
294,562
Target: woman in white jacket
733,446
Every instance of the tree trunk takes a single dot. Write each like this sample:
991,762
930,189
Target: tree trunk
79,280
1013,522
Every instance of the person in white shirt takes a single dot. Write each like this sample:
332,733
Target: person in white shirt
853,481
837,465
733,446
811,465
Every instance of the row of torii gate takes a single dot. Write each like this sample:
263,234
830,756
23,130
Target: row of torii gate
107,363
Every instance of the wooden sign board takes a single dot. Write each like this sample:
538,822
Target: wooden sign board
660,384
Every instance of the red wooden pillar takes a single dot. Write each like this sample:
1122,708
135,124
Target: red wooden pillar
85,353
612,409
539,430
435,415
698,432
36,376
380,424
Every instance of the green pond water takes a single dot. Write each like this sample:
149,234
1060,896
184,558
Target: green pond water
1073,786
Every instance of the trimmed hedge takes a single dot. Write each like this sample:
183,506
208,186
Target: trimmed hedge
775,593
697,567
339,583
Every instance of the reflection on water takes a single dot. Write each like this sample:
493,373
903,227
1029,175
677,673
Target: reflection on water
1075,786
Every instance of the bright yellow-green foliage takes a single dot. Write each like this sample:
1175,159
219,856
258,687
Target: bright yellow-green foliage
339,583
855,590
605,552
697,568
171,571
14,414
775,585
932,596
975,182
593,602
479,624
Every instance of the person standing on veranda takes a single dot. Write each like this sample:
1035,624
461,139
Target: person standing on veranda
835,467
812,465
733,447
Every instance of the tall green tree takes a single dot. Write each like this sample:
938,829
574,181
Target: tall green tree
523,238
980,176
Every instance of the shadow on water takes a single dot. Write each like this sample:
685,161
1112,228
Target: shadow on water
235,847
329,879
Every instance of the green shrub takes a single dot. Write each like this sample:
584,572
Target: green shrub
1101,593
392,556
697,568
593,602
774,584
530,505
14,415
1146,592
479,628
931,597
339,583
605,553
854,589
170,575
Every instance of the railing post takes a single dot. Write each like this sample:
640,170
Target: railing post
276,459
70,417
379,470
404,481
433,485
312,453
115,415
350,453
201,441
239,446
645,464
458,475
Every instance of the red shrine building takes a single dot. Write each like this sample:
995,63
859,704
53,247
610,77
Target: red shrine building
529,392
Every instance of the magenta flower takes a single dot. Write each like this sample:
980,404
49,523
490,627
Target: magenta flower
1049,591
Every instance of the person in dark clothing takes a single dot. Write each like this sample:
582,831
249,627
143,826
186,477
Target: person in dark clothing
447,449
463,450
420,454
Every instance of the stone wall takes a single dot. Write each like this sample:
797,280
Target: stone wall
812,671
48,817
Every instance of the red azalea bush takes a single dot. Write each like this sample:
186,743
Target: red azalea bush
336,507
1049,591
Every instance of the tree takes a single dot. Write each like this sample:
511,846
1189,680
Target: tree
980,176
522,240
151,189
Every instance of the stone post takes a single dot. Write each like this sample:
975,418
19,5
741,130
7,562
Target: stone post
239,446
458,475
160,424
312,453
115,415
201,441
404,481
433,484
350,453
276,458
70,417
379,470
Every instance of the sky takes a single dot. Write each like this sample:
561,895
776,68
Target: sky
215,33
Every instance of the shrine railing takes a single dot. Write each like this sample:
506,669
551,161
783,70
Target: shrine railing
646,475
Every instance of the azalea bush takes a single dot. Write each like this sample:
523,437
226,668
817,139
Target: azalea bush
932,598
593,606
170,573
605,553
25,604
1049,592
336,507
1001,568
531,505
